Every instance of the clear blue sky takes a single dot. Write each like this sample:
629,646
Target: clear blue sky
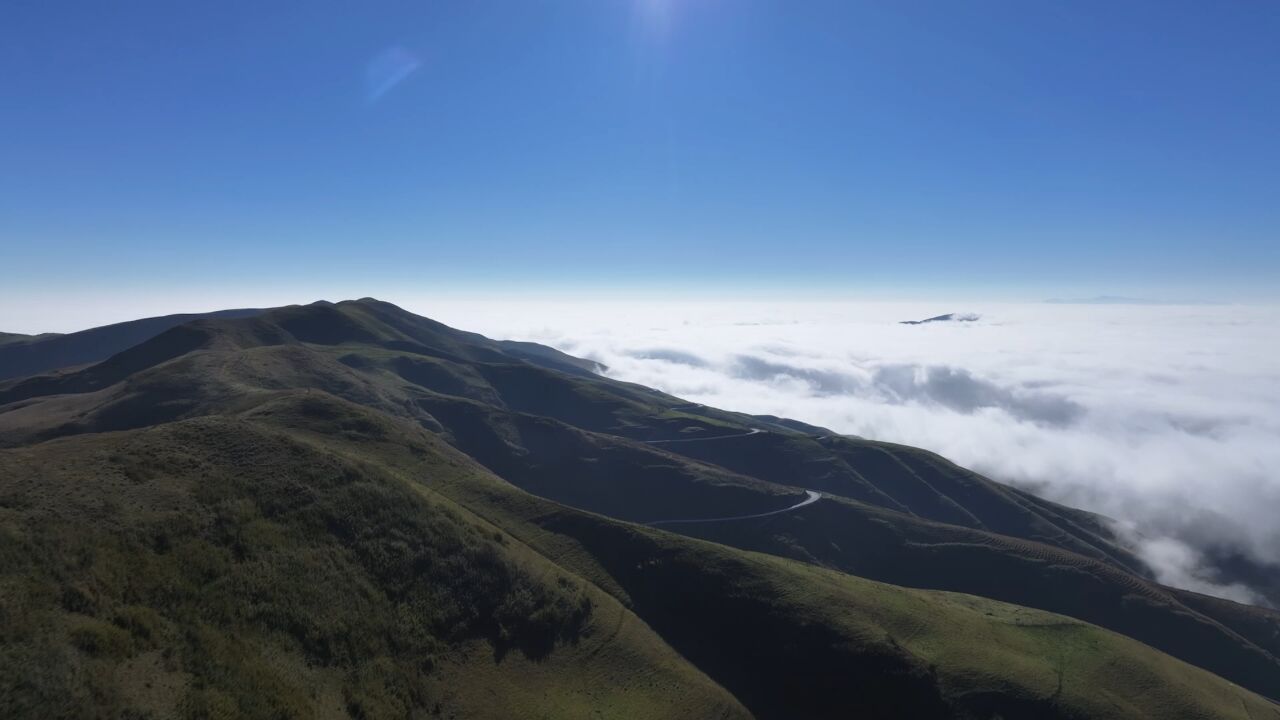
1029,147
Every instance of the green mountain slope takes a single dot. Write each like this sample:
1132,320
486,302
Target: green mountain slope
309,558
217,565
378,513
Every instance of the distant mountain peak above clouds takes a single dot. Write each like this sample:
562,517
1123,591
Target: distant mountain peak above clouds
949,317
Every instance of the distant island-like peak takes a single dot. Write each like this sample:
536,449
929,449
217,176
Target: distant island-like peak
949,317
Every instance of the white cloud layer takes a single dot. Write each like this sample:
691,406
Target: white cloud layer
1166,418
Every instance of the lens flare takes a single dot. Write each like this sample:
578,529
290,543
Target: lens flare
388,69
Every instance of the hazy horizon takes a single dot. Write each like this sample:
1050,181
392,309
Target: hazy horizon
997,150
61,313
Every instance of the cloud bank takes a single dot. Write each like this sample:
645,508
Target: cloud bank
1165,418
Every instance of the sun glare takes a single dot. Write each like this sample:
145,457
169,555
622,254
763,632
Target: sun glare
655,16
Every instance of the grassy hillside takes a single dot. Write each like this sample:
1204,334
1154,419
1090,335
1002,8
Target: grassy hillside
331,505
311,558
1233,640
218,566
952,655
743,616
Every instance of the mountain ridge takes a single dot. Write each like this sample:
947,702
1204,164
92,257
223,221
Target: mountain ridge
22,355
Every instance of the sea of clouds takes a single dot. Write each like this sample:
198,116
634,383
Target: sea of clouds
1164,418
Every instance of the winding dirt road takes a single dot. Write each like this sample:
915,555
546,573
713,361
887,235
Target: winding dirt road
753,431
811,497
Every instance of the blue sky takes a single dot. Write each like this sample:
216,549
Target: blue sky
1023,149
